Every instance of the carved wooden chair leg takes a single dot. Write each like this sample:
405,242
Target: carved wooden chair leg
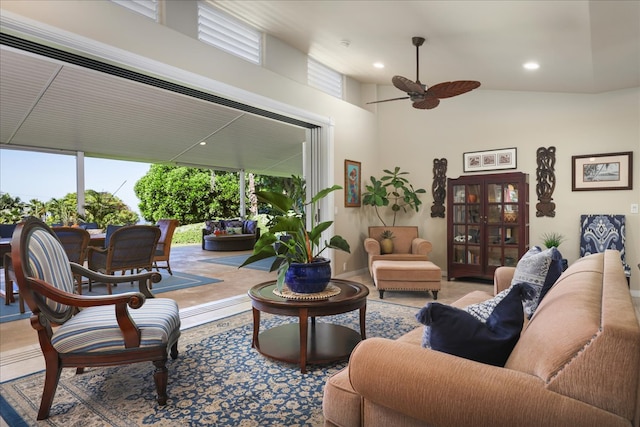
161,376
174,351
51,378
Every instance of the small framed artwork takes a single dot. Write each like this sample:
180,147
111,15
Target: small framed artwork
352,197
610,171
489,160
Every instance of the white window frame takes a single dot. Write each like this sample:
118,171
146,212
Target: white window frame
229,34
148,8
324,78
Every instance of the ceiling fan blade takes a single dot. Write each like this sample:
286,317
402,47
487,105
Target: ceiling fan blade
387,100
406,85
427,103
449,89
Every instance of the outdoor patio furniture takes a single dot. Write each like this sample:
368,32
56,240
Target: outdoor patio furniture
75,242
163,250
130,247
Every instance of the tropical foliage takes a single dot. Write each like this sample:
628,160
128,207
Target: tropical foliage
287,238
101,207
393,190
189,195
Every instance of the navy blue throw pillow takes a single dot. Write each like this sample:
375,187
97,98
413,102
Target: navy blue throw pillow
455,331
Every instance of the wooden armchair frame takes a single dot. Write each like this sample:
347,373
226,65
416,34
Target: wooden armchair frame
37,291
130,248
163,250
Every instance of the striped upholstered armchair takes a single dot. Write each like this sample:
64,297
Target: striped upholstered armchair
109,330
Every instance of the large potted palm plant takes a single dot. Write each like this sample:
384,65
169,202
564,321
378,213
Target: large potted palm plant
296,250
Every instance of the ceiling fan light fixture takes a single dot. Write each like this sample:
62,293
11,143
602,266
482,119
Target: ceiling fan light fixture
424,97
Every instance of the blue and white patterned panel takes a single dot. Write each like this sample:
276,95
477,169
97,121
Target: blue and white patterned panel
602,232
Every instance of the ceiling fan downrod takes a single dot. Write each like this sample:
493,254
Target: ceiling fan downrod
417,42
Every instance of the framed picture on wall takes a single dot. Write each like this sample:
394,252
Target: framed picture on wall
609,171
489,160
352,191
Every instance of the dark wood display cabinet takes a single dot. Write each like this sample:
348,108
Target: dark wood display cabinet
487,223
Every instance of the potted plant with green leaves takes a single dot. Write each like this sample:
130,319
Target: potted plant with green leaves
393,190
298,256
552,240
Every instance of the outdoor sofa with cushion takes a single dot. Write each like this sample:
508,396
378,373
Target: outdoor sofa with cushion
234,235
576,363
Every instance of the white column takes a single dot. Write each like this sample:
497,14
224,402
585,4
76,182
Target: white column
80,181
243,205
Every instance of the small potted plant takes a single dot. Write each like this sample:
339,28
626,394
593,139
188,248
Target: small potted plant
302,248
386,242
552,240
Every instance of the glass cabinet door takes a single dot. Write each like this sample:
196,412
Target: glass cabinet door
467,223
502,223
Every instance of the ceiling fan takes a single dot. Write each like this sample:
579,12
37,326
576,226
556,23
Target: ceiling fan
423,97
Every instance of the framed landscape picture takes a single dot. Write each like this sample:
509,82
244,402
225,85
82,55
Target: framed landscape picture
489,160
610,171
352,196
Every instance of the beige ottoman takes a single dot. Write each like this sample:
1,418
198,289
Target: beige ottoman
406,276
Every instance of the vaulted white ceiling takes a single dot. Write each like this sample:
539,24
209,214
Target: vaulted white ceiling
582,47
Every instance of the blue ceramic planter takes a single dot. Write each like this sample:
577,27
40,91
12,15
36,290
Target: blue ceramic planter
308,278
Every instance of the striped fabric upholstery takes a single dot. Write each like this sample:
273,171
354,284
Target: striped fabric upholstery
95,329
48,261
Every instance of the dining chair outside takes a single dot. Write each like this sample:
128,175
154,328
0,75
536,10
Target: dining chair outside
130,248
163,250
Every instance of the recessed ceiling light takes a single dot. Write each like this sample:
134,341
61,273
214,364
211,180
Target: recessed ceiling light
378,65
203,142
531,65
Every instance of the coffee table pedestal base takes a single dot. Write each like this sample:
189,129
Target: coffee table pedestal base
326,343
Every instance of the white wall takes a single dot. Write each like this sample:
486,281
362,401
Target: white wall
399,135
484,120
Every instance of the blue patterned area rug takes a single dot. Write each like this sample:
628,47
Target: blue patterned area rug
217,380
168,283
237,260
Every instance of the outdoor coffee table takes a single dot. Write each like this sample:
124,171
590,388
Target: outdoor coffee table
308,342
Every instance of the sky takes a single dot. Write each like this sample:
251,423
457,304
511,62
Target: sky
30,175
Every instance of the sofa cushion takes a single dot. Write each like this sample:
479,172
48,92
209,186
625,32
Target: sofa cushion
250,227
233,223
6,230
455,331
234,230
539,269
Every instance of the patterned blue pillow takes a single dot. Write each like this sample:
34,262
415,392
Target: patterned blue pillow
551,259
539,269
455,331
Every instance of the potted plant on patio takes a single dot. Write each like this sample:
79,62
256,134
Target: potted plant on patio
393,190
298,256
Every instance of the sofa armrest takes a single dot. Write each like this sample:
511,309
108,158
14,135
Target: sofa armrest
372,246
441,389
502,279
421,246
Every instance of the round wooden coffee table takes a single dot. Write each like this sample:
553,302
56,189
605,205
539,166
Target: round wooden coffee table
308,342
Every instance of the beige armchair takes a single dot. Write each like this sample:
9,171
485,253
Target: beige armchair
407,246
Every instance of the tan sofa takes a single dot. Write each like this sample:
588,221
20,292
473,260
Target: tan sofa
577,363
